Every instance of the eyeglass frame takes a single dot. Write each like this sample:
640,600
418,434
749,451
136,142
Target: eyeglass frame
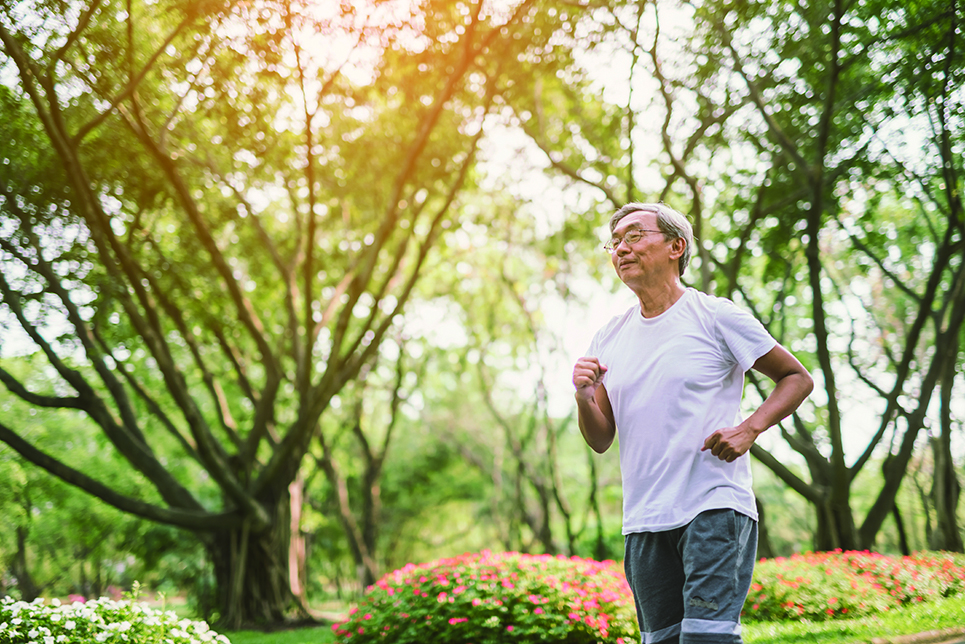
614,242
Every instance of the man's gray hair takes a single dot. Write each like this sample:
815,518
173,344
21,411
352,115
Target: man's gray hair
673,225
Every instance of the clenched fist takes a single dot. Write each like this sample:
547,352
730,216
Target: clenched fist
587,376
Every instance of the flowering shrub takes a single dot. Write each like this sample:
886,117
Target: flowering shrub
99,621
832,585
495,597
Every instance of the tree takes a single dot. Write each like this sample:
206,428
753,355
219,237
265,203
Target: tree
55,540
362,521
817,150
827,138
211,214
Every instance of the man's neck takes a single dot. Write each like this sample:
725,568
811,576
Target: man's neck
655,300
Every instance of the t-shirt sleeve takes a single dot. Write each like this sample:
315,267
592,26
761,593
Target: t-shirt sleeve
741,336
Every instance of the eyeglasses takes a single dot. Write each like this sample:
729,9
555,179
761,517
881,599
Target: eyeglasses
631,238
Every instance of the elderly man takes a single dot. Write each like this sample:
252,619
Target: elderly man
668,376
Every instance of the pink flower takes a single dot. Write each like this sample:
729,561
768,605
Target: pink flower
458,620
510,628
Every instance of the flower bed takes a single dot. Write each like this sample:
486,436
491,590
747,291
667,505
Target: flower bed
834,585
99,621
493,597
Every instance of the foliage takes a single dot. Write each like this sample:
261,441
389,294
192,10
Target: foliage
55,540
485,597
481,597
100,621
289,168
843,585
817,148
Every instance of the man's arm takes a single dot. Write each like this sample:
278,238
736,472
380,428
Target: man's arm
593,405
793,384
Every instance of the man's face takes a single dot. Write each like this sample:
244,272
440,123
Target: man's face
641,259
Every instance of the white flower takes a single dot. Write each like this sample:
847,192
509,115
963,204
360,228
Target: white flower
69,624
55,617
48,639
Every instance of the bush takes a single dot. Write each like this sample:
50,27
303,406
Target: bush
99,621
834,585
492,597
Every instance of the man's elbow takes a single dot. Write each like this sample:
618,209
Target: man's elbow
600,448
807,384
599,442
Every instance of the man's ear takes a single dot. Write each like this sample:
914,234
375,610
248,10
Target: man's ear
677,247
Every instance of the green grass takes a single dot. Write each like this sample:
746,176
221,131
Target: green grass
314,635
932,616
936,615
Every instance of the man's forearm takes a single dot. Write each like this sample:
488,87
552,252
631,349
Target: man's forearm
788,394
597,430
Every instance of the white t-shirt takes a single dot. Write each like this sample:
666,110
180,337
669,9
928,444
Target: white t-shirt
672,381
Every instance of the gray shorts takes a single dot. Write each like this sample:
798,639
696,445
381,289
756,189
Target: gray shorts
689,583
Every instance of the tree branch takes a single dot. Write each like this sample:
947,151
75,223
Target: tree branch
183,517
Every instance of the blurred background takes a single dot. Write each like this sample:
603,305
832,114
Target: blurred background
290,290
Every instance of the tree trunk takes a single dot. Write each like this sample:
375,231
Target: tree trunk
29,591
251,570
945,487
946,491
902,535
764,548
835,526
297,551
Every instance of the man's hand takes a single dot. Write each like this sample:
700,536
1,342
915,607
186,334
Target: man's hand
730,443
587,376
793,384
592,404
